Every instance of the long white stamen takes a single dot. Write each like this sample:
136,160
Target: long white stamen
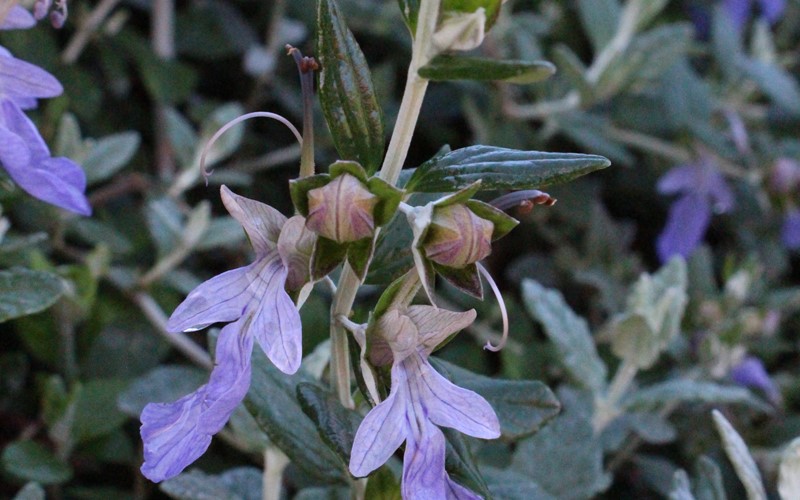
503,310
236,121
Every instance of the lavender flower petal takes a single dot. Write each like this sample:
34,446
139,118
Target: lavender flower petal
383,430
20,79
18,18
448,405
223,298
276,322
457,492
678,179
751,373
261,222
50,181
790,232
717,188
423,463
772,9
176,434
687,222
738,11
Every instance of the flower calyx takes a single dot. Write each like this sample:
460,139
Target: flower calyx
452,234
344,207
463,24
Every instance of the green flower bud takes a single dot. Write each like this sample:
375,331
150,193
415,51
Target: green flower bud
457,237
342,210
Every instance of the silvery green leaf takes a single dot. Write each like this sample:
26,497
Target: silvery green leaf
221,232
681,488
789,471
708,480
686,390
197,485
600,19
565,458
650,426
163,384
507,484
31,491
182,137
32,461
448,67
726,42
568,332
108,155
633,339
740,457
24,291
572,68
69,141
164,220
588,130
647,10
774,81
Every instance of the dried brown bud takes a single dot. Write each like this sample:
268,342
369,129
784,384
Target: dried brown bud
342,210
457,237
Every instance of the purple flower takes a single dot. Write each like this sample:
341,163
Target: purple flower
23,152
740,11
702,190
750,372
18,18
790,232
255,301
420,402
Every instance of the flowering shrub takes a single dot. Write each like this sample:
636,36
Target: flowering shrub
391,305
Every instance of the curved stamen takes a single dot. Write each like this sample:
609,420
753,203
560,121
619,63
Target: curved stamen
524,199
503,310
236,121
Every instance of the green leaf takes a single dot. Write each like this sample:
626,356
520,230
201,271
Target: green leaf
775,82
447,67
168,82
383,485
600,19
161,385
789,470
685,390
272,402
510,485
523,406
241,483
681,488
31,491
358,255
327,255
392,256
466,279
30,461
336,424
108,155
24,292
568,332
346,92
574,71
740,457
708,480
565,458
96,412
460,463
410,10
500,168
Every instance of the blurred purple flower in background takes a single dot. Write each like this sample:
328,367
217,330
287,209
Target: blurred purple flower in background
23,152
790,231
254,300
740,11
750,372
702,190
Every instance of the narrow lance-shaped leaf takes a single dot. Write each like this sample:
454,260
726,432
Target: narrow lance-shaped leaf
740,457
500,168
23,292
346,92
447,67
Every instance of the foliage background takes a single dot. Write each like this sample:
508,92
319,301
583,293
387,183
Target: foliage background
136,111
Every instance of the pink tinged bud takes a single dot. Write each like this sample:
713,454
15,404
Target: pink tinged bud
342,210
457,237
295,246
784,176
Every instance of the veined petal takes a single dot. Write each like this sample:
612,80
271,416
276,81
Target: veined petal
276,322
15,155
686,225
295,245
681,178
222,298
46,180
448,405
19,123
383,430
19,78
435,324
261,222
457,492
176,434
423,464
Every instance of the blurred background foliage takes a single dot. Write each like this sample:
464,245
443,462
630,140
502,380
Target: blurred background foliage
671,83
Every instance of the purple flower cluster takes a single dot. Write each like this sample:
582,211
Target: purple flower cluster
740,11
23,152
702,190
253,299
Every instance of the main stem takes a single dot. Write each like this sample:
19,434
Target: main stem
396,154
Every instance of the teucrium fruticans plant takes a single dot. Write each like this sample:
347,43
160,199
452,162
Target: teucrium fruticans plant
340,216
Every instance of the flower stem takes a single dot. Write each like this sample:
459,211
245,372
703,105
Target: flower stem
340,354
606,409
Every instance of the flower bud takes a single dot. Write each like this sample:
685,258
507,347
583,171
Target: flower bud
397,338
784,176
457,237
464,23
342,210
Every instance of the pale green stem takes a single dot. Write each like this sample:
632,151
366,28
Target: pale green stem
78,42
275,463
606,409
390,171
